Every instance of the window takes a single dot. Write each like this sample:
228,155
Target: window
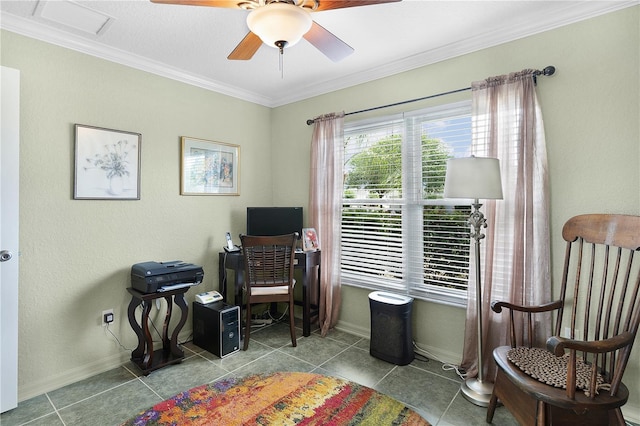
398,233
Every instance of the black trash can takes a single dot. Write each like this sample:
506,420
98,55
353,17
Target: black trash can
391,336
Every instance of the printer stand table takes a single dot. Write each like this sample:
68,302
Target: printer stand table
144,355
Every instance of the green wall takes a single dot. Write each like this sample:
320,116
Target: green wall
78,254
591,114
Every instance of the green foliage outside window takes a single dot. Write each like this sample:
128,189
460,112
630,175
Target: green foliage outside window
375,173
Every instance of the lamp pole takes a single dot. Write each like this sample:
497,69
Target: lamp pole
476,390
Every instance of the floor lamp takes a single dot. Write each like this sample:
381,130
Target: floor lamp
475,178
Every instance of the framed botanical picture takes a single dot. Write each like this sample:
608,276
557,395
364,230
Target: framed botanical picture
310,239
107,164
209,168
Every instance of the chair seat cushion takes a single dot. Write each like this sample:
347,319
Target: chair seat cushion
269,290
550,394
547,368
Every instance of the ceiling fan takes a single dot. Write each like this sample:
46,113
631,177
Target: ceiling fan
282,23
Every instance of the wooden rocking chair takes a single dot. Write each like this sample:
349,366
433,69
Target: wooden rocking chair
600,300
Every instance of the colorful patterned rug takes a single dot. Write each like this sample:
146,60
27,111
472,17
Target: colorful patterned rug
279,399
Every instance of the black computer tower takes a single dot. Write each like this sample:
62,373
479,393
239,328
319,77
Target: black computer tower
216,328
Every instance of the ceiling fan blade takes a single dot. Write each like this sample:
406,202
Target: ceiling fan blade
210,3
323,4
326,42
246,48
340,4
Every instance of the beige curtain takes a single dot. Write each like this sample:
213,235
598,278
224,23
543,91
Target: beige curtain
327,152
507,124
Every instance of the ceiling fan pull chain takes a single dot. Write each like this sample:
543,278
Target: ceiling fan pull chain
281,65
280,45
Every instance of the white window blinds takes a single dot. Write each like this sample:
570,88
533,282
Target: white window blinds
398,233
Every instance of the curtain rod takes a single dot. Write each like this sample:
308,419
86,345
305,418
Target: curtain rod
547,71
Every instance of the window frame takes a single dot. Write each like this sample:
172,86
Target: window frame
412,204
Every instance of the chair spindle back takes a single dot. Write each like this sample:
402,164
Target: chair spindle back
600,287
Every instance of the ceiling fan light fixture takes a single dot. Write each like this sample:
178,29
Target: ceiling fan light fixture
276,23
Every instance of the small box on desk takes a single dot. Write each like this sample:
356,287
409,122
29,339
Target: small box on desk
216,328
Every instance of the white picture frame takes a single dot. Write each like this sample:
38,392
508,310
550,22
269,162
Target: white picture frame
107,164
310,241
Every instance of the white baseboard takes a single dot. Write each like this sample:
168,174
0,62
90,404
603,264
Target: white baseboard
437,354
64,378
73,375
353,329
631,413
446,357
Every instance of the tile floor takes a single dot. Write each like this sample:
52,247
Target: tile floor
116,395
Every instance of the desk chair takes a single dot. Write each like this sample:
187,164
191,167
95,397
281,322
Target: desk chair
600,302
269,274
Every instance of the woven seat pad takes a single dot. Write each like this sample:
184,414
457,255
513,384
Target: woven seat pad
547,368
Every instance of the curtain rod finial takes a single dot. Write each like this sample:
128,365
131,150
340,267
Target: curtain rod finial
550,70
310,122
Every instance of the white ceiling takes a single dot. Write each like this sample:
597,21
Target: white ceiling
191,43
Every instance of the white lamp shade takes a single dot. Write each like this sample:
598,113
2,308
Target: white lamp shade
279,22
473,177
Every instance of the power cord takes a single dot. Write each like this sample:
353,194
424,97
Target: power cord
157,331
224,270
420,357
281,316
258,325
117,340
267,312
189,340
445,365
119,343
141,306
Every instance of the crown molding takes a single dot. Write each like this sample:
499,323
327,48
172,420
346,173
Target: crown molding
27,28
453,50
472,44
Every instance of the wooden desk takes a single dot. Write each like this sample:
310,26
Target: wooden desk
306,261
143,356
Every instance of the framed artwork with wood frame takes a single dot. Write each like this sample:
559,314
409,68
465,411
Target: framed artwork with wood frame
107,164
209,168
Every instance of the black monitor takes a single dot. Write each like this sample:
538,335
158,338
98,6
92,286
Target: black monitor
274,220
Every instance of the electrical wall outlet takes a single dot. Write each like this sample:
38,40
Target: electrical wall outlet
107,317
